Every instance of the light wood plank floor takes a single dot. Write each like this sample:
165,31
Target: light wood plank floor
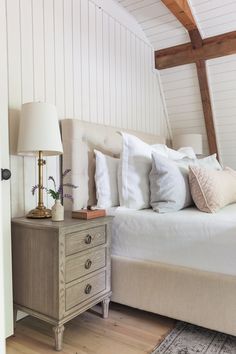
126,331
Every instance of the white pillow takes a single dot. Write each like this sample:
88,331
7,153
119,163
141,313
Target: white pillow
169,185
106,180
210,162
184,152
136,164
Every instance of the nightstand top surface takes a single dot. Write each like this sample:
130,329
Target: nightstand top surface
68,222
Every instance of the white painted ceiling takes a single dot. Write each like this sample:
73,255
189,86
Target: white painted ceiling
164,30
180,84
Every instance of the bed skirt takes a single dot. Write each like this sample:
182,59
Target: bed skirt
203,298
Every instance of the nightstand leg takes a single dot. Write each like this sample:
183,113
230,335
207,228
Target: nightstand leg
105,307
58,333
14,317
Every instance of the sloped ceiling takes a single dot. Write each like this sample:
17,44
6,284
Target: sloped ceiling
180,84
163,29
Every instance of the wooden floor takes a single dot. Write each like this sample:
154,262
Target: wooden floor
127,331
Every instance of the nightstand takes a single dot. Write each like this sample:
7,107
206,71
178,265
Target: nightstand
61,269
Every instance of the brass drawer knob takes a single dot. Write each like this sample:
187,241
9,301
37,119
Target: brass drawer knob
88,289
88,239
88,264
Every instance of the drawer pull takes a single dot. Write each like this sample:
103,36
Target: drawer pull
88,239
88,264
88,289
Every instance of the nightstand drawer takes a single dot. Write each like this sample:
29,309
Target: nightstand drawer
79,265
84,290
82,240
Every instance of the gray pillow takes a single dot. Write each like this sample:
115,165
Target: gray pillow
169,185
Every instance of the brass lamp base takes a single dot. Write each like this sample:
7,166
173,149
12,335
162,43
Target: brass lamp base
39,213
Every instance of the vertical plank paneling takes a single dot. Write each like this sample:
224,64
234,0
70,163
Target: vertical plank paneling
129,79
134,82
49,52
118,74
85,93
68,63
139,88
76,55
59,57
39,57
92,64
27,69
106,69
27,64
143,118
99,50
147,88
112,75
50,92
39,60
123,77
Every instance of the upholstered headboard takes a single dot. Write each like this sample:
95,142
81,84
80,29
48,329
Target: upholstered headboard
79,141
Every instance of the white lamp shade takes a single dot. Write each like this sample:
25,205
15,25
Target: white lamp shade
188,140
39,130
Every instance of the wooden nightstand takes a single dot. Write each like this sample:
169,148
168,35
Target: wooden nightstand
61,269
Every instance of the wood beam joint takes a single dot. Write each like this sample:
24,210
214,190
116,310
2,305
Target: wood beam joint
213,47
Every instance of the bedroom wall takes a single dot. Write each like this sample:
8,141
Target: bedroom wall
91,59
183,101
222,78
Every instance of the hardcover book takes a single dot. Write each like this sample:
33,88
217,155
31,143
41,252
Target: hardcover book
88,214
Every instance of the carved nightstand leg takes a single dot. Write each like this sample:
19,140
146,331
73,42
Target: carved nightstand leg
105,307
58,333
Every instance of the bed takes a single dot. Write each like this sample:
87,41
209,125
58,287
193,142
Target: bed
169,279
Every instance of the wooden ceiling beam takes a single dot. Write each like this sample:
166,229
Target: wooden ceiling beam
213,47
197,51
181,10
207,107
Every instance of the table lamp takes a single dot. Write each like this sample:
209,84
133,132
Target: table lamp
39,135
192,140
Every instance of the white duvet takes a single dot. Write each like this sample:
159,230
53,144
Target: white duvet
187,238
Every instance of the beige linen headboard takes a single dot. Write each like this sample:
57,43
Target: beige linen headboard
79,141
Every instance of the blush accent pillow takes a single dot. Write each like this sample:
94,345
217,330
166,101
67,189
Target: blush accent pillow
106,180
212,190
169,185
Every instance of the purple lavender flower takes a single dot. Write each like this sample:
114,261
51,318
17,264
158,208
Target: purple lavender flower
57,193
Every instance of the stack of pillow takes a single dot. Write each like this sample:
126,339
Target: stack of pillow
167,180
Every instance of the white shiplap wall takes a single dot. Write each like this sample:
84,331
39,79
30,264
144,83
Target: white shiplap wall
88,61
222,77
183,101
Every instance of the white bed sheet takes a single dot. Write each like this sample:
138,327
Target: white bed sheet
188,238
